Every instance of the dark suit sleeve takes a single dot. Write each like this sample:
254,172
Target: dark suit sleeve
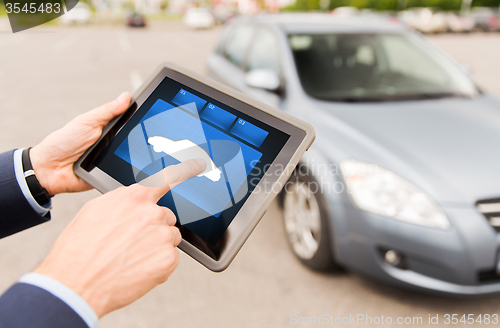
27,306
24,305
16,214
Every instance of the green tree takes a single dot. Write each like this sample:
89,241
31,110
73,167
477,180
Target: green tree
486,3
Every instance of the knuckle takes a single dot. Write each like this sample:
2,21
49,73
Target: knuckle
171,259
171,218
174,259
167,263
167,235
176,236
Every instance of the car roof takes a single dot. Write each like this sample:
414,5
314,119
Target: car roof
296,23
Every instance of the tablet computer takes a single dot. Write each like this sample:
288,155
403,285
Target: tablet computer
253,149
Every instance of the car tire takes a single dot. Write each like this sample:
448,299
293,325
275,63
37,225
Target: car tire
306,221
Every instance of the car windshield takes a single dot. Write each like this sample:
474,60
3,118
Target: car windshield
376,67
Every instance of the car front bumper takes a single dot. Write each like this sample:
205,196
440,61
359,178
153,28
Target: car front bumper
451,261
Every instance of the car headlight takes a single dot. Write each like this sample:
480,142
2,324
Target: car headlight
380,191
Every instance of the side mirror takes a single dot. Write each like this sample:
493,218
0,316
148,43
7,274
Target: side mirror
263,79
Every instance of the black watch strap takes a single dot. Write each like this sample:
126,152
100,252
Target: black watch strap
39,193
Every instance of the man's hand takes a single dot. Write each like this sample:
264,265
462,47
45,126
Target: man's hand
120,245
54,157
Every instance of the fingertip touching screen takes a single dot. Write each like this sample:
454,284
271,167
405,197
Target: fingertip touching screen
176,123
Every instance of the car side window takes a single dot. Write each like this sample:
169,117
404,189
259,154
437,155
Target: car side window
237,43
264,53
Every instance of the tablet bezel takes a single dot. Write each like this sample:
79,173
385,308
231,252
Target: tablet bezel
218,257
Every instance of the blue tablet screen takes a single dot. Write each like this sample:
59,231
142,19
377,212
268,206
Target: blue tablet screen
175,119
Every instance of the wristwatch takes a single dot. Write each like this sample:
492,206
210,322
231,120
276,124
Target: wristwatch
38,192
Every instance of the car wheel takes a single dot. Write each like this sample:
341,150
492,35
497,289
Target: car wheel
306,222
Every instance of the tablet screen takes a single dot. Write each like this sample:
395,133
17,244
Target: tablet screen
176,122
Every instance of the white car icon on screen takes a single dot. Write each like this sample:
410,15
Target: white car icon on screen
183,150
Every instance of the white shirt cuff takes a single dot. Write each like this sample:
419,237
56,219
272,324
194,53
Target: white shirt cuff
18,170
64,293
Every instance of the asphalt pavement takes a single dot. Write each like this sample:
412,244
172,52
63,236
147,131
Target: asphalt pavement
50,74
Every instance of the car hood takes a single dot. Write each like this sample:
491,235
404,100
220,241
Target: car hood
448,147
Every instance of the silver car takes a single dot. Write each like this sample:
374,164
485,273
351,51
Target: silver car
403,181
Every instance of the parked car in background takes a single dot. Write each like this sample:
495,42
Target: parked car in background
223,13
485,19
459,24
199,18
425,20
79,14
402,182
135,19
